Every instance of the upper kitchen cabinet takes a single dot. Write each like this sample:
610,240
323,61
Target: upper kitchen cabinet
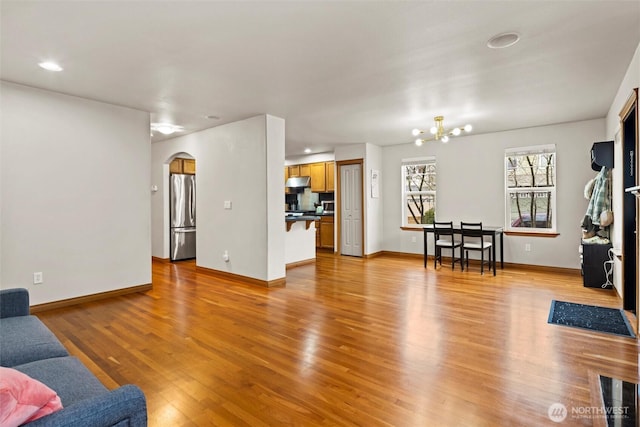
183,166
321,174
318,178
294,170
329,176
322,180
189,166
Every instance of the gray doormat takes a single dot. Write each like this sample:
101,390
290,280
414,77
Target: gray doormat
591,317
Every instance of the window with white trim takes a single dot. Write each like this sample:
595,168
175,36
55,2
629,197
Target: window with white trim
418,191
530,186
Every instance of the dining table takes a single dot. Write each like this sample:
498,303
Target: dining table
487,230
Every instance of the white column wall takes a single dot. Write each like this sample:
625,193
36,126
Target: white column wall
274,179
240,162
373,206
75,193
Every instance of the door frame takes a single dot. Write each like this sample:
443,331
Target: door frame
338,201
630,104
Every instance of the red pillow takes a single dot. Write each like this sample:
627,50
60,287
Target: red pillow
23,399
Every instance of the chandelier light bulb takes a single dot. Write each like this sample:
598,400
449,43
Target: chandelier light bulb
445,139
419,142
433,130
416,132
468,128
456,131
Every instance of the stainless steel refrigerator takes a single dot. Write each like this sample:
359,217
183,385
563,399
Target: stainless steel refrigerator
183,216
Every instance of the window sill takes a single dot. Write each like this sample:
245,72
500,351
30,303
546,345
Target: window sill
417,228
531,234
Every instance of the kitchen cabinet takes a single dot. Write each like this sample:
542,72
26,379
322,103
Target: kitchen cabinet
317,233
175,166
329,176
189,166
326,232
321,173
318,177
183,166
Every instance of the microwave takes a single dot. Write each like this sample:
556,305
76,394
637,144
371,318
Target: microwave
328,206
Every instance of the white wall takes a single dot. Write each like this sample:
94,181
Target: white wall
373,205
630,81
240,162
75,193
471,187
309,158
273,179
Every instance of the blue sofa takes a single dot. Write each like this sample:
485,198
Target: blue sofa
28,346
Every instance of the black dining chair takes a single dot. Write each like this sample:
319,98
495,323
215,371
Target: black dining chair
473,240
444,239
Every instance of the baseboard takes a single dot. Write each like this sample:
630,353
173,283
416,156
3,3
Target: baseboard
161,260
401,254
300,263
240,278
373,255
560,270
89,298
550,269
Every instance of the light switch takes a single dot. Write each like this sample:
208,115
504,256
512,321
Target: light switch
227,204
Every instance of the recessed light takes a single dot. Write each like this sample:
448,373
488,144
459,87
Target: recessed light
166,128
212,117
307,150
50,66
503,40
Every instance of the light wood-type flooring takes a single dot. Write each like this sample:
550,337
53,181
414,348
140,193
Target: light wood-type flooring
349,341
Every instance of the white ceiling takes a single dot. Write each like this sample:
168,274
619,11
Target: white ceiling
338,72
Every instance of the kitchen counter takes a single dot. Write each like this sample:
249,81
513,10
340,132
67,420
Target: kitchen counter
308,213
302,218
291,219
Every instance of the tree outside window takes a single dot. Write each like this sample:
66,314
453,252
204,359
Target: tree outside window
530,175
419,191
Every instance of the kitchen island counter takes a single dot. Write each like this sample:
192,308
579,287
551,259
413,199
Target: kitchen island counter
290,220
300,240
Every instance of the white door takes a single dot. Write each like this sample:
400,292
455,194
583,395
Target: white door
351,210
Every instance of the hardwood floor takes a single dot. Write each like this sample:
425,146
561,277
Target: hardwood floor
349,341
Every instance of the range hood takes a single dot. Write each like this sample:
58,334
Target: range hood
298,182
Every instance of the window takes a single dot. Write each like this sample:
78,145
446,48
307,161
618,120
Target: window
530,175
418,191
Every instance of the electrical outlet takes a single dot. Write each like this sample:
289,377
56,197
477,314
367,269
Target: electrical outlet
37,278
527,247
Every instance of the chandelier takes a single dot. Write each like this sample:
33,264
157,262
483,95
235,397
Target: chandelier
439,132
